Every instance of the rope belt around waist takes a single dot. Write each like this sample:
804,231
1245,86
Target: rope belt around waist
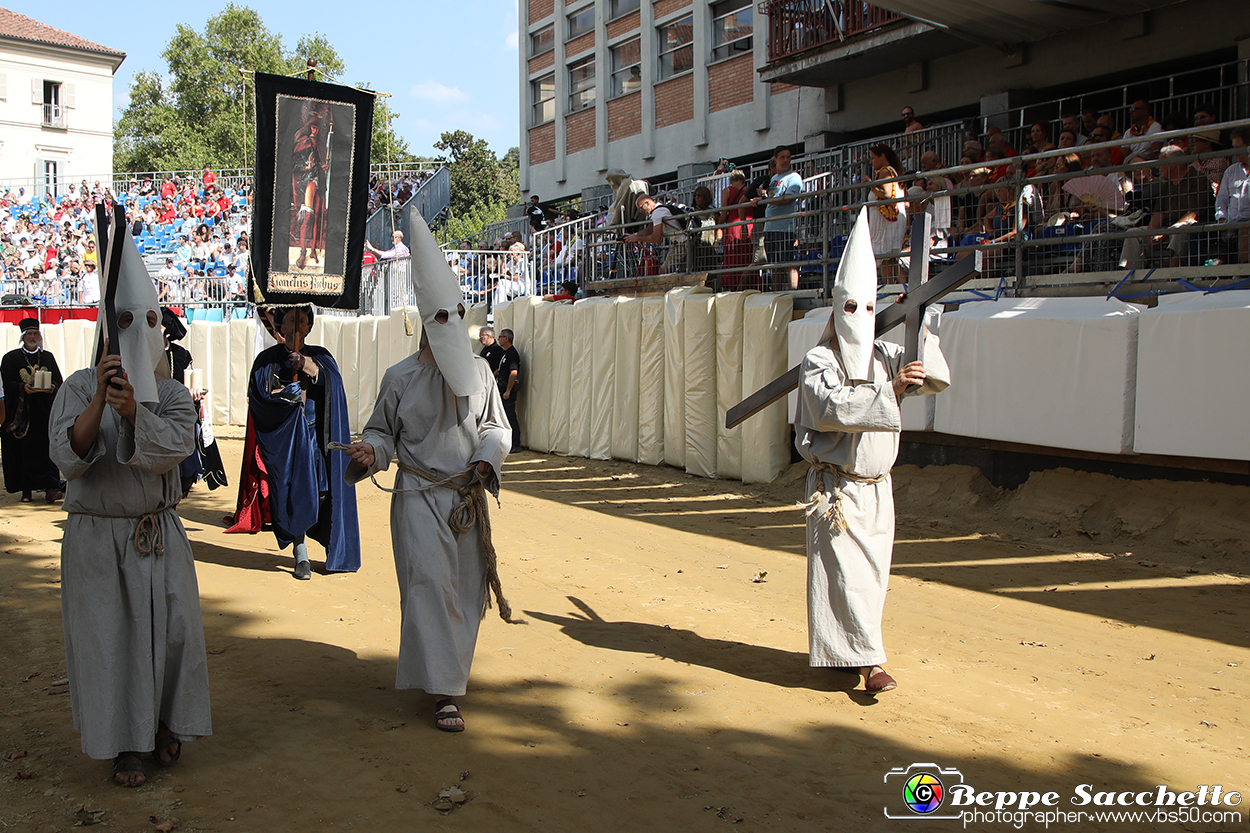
148,538
472,510
833,513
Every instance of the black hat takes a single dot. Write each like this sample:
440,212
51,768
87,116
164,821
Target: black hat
28,324
174,328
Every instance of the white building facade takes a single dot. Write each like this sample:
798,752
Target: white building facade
56,106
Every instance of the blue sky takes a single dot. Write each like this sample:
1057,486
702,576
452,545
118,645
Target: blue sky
450,65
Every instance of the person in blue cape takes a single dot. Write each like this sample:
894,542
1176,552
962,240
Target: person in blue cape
297,407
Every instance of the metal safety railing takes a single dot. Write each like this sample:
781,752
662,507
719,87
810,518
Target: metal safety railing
796,26
432,198
1060,222
1222,89
558,254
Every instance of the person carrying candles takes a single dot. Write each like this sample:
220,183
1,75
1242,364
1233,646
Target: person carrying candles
205,461
297,408
31,379
134,638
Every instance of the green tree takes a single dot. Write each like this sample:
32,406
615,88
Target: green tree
203,116
482,185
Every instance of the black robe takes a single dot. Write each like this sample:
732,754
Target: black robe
205,461
24,436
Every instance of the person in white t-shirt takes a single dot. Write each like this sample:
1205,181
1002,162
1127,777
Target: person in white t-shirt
665,230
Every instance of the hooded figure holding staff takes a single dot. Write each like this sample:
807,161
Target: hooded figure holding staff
847,426
297,408
134,642
440,412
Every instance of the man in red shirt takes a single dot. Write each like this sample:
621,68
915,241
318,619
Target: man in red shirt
210,178
167,189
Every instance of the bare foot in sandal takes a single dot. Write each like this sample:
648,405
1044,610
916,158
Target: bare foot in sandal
168,748
447,715
876,680
128,770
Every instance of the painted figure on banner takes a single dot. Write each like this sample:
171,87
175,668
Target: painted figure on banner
847,426
134,641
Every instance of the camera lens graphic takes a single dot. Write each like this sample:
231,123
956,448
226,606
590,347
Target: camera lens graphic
923,793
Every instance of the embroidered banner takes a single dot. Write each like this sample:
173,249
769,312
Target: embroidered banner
311,192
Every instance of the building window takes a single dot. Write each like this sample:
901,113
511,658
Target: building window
543,94
731,28
626,67
620,7
676,51
581,22
53,114
582,83
544,40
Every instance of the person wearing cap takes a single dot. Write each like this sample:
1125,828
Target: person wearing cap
89,284
440,412
24,435
296,408
847,425
134,639
1207,141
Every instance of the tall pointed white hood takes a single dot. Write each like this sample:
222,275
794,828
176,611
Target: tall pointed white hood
436,289
856,281
142,345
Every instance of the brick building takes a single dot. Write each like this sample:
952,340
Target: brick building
663,88
651,87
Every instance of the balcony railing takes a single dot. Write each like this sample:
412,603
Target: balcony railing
53,115
795,26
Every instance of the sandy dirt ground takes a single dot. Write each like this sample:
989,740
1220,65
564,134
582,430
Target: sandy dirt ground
1079,630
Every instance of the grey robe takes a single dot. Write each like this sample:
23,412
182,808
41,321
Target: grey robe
441,574
134,642
856,428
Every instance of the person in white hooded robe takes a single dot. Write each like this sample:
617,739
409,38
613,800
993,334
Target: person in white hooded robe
440,412
847,425
134,641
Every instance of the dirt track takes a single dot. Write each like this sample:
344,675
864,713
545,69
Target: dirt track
656,686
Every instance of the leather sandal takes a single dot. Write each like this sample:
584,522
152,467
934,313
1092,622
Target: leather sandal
446,709
879,682
128,762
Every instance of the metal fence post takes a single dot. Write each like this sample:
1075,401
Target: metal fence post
1022,217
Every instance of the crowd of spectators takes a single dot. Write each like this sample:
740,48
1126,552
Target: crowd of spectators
48,244
395,191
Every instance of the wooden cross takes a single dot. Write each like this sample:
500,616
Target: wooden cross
909,310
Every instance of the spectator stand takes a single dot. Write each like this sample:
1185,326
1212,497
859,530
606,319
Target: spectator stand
1030,248
1222,87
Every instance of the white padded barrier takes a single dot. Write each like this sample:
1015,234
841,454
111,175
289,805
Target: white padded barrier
475,318
625,397
539,374
523,332
919,412
766,435
675,373
218,371
1190,349
803,335
603,379
700,395
238,360
651,382
729,345
1056,372
561,375
581,378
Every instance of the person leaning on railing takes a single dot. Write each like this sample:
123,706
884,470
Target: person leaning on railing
1232,203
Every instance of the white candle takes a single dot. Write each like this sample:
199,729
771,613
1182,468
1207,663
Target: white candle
197,379
43,379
